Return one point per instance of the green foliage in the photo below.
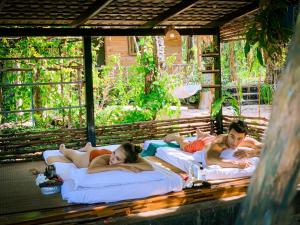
(121, 115)
(248, 69)
(227, 97)
(40, 71)
(266, 93)
(120, 92)
(269, 33)
(193, 100)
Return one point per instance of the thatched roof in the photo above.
(123, 14)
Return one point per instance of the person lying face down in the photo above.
(125, 157)
(211, 147)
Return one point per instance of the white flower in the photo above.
(41, 178)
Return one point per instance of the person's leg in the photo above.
(201, 134)
(80, 160)
(87, 147)
(177, 138)
(57, 158)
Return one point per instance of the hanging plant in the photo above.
(271, 30)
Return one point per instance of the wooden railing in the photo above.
(139, 132)
(26, 146)
(256, 125)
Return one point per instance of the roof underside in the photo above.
(123, 14)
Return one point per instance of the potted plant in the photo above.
(49, 183)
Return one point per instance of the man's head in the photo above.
(236, 133)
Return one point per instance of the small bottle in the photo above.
(202, 175)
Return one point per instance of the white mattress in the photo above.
(170, 182)
(111, 186)
(185, 160)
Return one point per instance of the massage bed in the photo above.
(189, 162)
(112, 186)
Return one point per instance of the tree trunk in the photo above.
(150, 77)
(189, 49)
(273, 186)
(1, 93)
(231, 62)
(269, 71)
(160, 43)
(37, 93)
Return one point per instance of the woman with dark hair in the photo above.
(125, 157)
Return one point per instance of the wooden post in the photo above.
(89, 97)
(218, 90)
(233, 76)
(79, 86)
(1, 91)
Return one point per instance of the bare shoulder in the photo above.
(251, 140)
(100, 161)
(219, 144)
(221, 140)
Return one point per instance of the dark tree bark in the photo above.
(273, 185)
(1, 93)
(233, 76)
(189, 49)
(150, 77)
(37, 93)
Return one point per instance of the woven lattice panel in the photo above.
(237, 28)
(22, 146)
(132, 12)
(205, 12)
(118, 13)
(43, 11)
(139, 132)
(257, 126)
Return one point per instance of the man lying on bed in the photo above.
(211, 147)
(124, 157)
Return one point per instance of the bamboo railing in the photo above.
(257, 125)
(27, 146)
(139, 132)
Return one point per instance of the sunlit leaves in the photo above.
(269, 33)
(40, 71)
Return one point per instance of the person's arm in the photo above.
(214, 152)
(249, 142)
(112, 168)
(99, 166)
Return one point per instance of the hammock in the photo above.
(191, 85)
(187, 90)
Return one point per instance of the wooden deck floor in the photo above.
(19, 192)
(22, 202)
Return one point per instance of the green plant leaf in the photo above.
(259, 56)
(216, 107)
(247, 48)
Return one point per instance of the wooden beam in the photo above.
(2, 3)
(90, 12)
(89, 95)
(240, 12)
(61, 32)
(174, 10)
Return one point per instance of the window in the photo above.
(132, 45)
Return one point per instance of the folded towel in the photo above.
(151, 150)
